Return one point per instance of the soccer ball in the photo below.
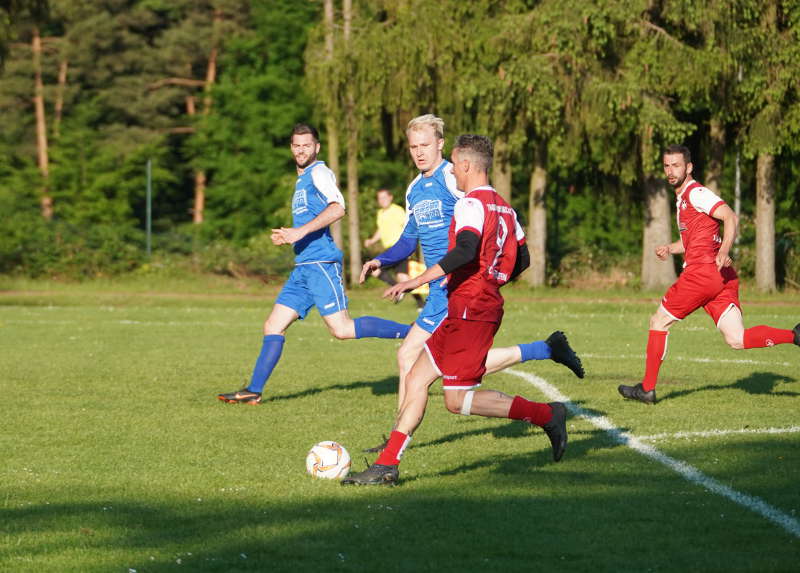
(328, 460)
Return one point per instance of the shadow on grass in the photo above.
(540, 456)
(379, 388)
(566, 517)
(589, 440)
(757, 383)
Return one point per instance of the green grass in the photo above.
(116, 455)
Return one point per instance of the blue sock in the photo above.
(538, 350)
(271, 350)
(374, 327)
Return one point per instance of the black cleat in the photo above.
(556, 429)
(638, 393)
(796, 331)
(380, 448)
(561, 352)
(376, 474)
(243, 396)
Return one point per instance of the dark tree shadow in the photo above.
(580, 441)
(757, 383)
(540, 455)
(379, 388)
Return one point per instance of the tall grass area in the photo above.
(118, 457)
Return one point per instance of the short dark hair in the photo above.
(302, 129)
(675, 149)
(478, 147)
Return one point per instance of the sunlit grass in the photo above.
(117, 456)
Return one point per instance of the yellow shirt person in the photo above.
(391, 219)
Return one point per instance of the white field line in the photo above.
(685, 470)
(689, 359)
(715, 433)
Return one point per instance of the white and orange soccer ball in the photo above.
(328, 460)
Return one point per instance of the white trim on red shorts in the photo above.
(441, 375)
(435, 366)
(724, 312)
(668, 313)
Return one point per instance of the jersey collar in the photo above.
(481, 188)
(435, 171)
(686, 185)
(310, 167)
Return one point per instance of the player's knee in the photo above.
(655, 321)
(341, 332)
(734, 342)
(453, 402)
(271, 329)
(406, 358)
(452, 408)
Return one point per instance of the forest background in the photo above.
(579, 98)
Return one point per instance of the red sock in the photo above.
(763, 336)
(656, 352)
(531, 412)
(391, 454)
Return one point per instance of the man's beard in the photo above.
(307, 162)
(679, 184)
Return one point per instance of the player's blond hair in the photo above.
(430, 120)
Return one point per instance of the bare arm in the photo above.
(290, 235)
(676, 248)
(465, 249)
(373, 239)
(430, 274)
(730, 224)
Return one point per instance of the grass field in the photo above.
(118, 457)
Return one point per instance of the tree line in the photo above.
(578, 96)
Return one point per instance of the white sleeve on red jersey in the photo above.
(468, 214)
(325, 181)
(704, 200)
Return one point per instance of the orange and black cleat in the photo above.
(243, 396)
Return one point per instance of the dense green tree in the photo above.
(579, 97)
(244, 143)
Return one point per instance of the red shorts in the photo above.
(702, 285)
(458, 350)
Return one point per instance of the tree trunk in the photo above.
(352, 164)
(657, 231)
(501, 172)
(59, 105)
(537, 225)
(333, 163)
(657, 219)
(41, 125)
(331, 127)
(353, 226)
(211, 69)
(199, 175)
(198, 212)
(765, 222)
(713, 175)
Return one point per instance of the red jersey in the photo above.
(474, 288)
(699, 230)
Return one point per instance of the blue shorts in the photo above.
(313, 284)
(435, 309)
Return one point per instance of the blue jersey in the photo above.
(314, 190)
(430, 202)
